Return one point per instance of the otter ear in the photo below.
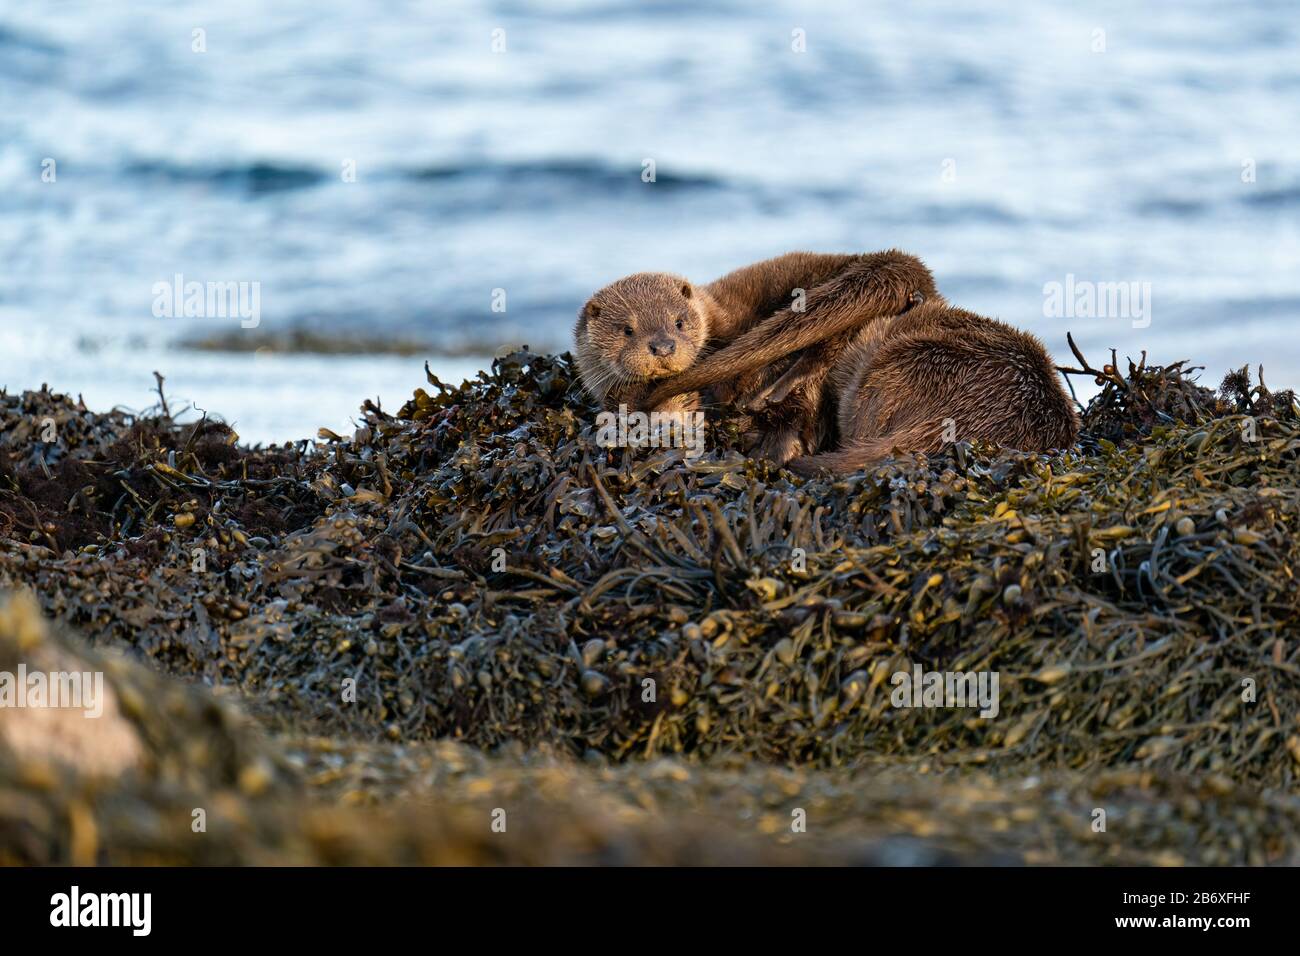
(687, 291)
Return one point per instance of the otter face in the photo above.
(644, 327)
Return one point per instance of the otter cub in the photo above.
(655, 341)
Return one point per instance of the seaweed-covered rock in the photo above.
(477, 568)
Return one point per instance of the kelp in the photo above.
(476, 571)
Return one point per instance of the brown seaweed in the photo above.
(476, 568)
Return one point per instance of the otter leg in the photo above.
(808, 370)
(679, 416)
(789, 429)
(780, 446)
(804, 399)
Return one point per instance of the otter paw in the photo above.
(805, 466)
(774, 395)
(678, 429)
(779, 447)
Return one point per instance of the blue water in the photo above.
(991, 139)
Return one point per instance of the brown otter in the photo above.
(938, 374)
(655, 341)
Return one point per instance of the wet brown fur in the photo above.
(653, 341)
(903, 378)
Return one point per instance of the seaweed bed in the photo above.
(384, 647)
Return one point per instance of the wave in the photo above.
(966, 212)
(586, 173)
(11, 39)
(1271, 198)
(27, 59)
(1187, 207)
(1175, 207)
(563, 175)
(257, 177)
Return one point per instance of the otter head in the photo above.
(645, 327)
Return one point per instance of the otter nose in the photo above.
(662, 345)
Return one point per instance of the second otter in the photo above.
(939, 374)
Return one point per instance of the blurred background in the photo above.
(499, 145)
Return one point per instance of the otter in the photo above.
(656, 341)
(935, 374)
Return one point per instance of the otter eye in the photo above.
(627, 330)
(680, 324)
